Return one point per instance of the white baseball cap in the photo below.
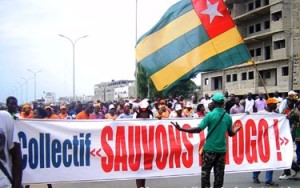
(178, 107)
(111, 106)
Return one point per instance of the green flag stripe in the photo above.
(174, 50)
(231, 57)
(172, 13)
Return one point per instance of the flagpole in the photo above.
(136, 66)
(260, 77)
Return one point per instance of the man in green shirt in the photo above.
(218, 122)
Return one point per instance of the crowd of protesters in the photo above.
(161, 108)
(177, 107)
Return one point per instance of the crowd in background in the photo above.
(177, 107)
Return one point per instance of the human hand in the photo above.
(176, 125)
(237, 127)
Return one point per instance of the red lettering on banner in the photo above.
(134, 147)
(276, 133)
(175, 141)
(187, 157)
(250, 143)
(238, 144)
(148, 146)
(106, 162)
(263, 140)
(121, 153)
(161, 147)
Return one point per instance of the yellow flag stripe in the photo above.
(167, 34)
(187, 62)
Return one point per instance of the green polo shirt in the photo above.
(216, 142)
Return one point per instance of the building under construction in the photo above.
(270, 29)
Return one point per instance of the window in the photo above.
(267, 24)
(269, 77)
(216, 83)
(257, 4)
(244, 76)
(257, 27)
(267, 2)
(234, 77)
(228, 78)
(267, 52)
(251, 29)
(285, 71)
(279, 44)
(276, 16)
(258, 52)
(252, 53)
(250, 6)
(206, 81)
(265, 74)
(251, 75)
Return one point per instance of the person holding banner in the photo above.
(143, 112)
(271, 108)
(10, 153)
(12, 106)
(218, 123)
(289, 111)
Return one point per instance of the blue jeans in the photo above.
(268, 177)
(298, 151)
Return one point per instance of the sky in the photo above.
(29, 39)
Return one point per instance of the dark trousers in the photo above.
(140, 183)
(217, 162)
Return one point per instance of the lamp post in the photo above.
(21, 85)
(26, 82)
(73, 48)
(34, 76)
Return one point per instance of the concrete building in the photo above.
(114, 90)
(270, 29)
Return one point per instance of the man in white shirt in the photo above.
(10, 153)
(205, 101)
(260, 103)
(249, 103)
(278, 98)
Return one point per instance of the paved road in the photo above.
(241, 180)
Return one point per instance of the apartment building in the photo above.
(114, 90)
(270, 29)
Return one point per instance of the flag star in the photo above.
(212, 11)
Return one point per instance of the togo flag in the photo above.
(193, 36)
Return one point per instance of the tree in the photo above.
(146, 88)
(142, 82)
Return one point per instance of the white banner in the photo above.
(88, 150)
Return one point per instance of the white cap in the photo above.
(188, 105)
(143, 104)
(111, 106)
(135, 105)
(178, 107)
(292, 92)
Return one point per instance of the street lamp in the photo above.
(21, 85)
(34, 76)
(73, 46)
(26, 82)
